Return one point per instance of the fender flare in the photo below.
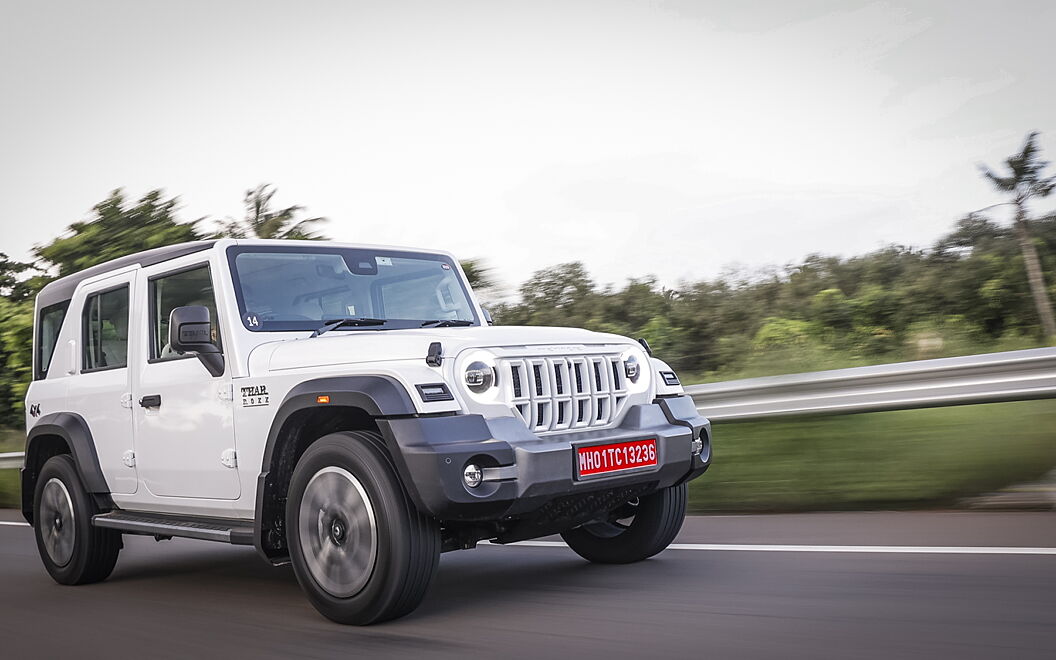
(378, 396)
(72, 428)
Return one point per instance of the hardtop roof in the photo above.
(62, 289)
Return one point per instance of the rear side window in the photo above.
(105, 324)
(167, 292)
(48, 325)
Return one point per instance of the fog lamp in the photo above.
(472, 475)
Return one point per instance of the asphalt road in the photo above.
(193, 599)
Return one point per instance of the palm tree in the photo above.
(262, 221)
(1024, 183)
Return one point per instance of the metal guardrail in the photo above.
(11, 460)
(987, 378)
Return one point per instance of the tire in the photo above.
(656, 521)
(361, 550)
(73, 551)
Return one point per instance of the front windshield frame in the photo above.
(310, 325)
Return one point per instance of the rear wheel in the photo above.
(361, 550)
(638, 530)
(73, 551)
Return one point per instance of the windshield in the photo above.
(301, 288)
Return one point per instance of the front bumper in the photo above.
(524, 472)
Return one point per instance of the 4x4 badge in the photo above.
(34, 410)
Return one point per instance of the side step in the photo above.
(237, 532)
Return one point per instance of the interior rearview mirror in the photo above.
(190, 331)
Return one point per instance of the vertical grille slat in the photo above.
(515, 371)
(565, 393)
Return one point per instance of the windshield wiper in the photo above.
(447, 323)
(332, 324)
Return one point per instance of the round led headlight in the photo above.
(631, 368)
(479, 377)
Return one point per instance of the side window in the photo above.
(182, 289)
(48, 325)
(105, 324)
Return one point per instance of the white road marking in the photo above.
(872, 549)
(13, 523)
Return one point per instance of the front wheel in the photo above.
(360, 549)
(640, 529)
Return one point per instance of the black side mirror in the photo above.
(487, 316)
(191, 332)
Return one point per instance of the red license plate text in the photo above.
(602, 459)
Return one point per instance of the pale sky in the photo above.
(668, 138)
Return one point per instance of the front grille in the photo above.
(564, 393)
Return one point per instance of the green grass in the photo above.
(10, 440)
(9, 490)
(904, 459)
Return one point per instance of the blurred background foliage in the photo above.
(966, 294)
(983, 287)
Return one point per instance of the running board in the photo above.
(237, 532)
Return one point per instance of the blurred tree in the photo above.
(13, 284)
(115, 230)
(778, 332)
(831, 309)
(478, 273)
(1024, 182)
(262, 221)
(16, 340)
(875, 305)
(562, 295)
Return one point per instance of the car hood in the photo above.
(349, 347)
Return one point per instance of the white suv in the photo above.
(346, 408)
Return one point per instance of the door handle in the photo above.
(151, 401)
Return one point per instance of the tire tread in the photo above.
(653, 529)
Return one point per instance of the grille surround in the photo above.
(552, 394)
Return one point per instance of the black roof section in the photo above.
(62, 289)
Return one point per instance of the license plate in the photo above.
(617, 457)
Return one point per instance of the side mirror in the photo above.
(191, 332)
(487, 316)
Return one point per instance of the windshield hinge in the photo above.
(434, 357)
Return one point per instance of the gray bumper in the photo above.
(523, 471)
